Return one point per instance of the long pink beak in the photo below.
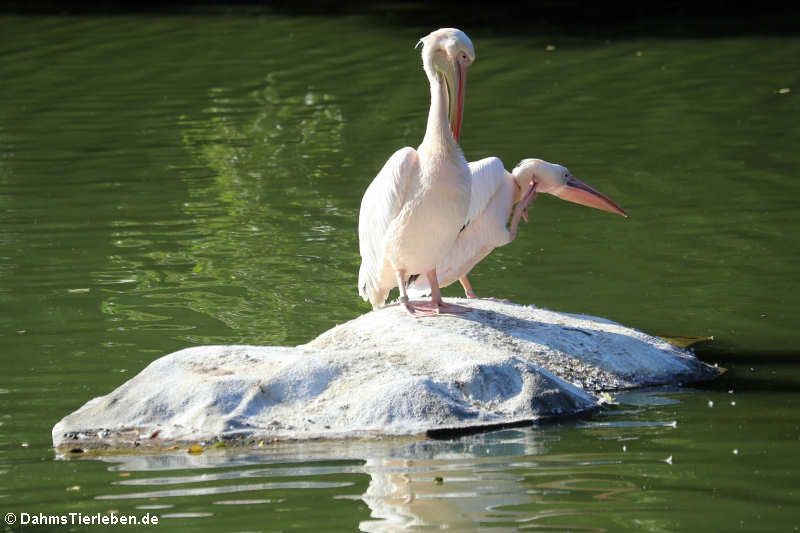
(578, 192)
(457, 106)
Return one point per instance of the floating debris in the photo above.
(195, 449)
(438, 480)
(550, 48)
(784, 90)
(685, 341)
(606, 398)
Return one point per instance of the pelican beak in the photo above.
(578, 192)
(455, 88)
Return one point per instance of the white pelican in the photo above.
(494, 193)
(415, 207)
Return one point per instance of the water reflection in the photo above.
(506, 480)
(262, 144)
(270, 139)
(200, 491)
(257, 229)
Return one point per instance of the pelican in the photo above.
(493, 195)
(413, 210)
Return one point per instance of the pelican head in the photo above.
(558, 180)
(448, 52)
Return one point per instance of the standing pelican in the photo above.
(494, 193)
(415, 207)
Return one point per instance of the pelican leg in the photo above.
(415, 310)
(522, 210)
(467, 287)
(471, 293)
(436, 297)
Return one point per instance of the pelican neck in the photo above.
(438, 128)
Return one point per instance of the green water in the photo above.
(171, 181)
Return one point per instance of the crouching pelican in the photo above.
(413, 210)
(493, 195)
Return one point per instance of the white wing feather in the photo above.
(491, 199)
(382, 201)
(487, 176)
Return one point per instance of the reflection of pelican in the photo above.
(414, 208)
(494, 192)
(479, 484)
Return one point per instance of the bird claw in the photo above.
(423, 309)
(529, 197)
(453, 309)
(419, 311)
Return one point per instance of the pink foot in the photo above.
(419, 310)
(443, 307)
(422, 309)
(453, 309)
(492, 298)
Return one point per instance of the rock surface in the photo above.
(384, 373)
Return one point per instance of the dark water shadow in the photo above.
(726, 353)
(571, 18)
(762, 372)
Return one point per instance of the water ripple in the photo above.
(226, 490)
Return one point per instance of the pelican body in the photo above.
(413, 210)
(494, 191)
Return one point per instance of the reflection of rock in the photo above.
(500, 479)
(477, 479)
(385, 373)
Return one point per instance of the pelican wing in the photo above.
(381, 203)
(484, 228)
(488, 175)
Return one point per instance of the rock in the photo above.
(384, 373)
